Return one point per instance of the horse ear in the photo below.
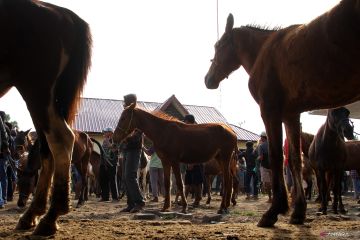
(229, 23)
(27, 131)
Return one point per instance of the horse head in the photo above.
(339, 121)
(21, 143)
(28, 173)
(225, 60)
(125, 125)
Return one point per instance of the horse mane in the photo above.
(263, 28)
(165, 116)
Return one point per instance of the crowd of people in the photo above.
(8, 164)
(254, 172)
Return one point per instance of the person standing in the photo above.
(156, 174)
(194, 175)
(4, 153)
(265, 171)
(108, 168)
(250, 156)
(132, 147)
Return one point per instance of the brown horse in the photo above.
(297, 69)
(212, 168)
(329, 154)
(45, 54)
(177, 142)
(82, 152)
(307, 170)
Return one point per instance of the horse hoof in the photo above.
(297, 220)
(25, 224)
(343, 211)
(45, 228)
(267, 221)
(223, 211)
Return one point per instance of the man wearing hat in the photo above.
(108, 168)
(132, 148)
(252, 167)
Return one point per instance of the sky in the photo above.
(159, 48)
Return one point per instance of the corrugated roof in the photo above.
(95, 114)
(244, 134)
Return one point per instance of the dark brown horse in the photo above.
(177, 142)
(45, 54)
(297, 69)
(212, 168)
(82, 152)
(328, 153)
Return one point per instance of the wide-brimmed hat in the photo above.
(263, 134)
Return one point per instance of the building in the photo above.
(96, 114)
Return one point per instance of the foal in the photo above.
(176, 142)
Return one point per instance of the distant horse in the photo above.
(296, 69)
(307, 170)
(212, 168)
(328, 153)
(45, 54)
(80, 158)
(177, 142)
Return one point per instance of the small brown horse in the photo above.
(296, 69)
(177, 142)
(212, 168)
(329, 154)
(45, 53)
(82, 152)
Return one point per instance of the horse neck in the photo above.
(151, 125)
(248, 41)
(330, 134)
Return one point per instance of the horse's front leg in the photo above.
(167, 172)
(61, 142)
(323, 191)
(38, 204)
(84, 183)
(279, 203)
(180, 186)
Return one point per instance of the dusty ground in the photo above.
(99, 220)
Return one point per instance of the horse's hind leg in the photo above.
(38, 204)
(61, 141)
(180, 186)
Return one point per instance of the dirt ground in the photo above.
(102, 220)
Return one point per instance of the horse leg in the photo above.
(209, 179)
(167, 172)
(225, 201)
(293, 133)
(279, 203)
(61, 141)
(341, 205)
(323, 192)
(38, 204)
(235, 190)
(180, 186)
(83, 170)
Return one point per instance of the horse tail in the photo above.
(102, 153)
(70, 84)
